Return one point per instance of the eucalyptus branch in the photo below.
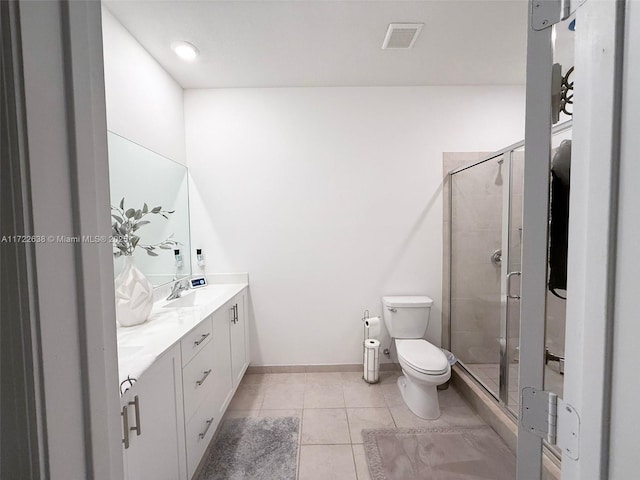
(125, 222)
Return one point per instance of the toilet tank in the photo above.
(407, 316)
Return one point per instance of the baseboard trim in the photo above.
(344, 367)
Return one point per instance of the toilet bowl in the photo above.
(425, 367)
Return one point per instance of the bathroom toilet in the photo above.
(424, 365)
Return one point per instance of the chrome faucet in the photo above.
(177, 290)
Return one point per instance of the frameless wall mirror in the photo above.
(141, 177)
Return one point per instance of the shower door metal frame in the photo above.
(504, 280)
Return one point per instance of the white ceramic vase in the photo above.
(134, 295)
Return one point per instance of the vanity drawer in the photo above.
(199, 432)
(196, 340)
(198, 379)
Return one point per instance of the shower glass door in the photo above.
(485, 265)
(476, 222)
(485, 269)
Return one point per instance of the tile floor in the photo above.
(334, 408)
(489, 374)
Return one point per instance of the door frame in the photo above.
(592, 237)
(535, 221)
(593, 230)
(72, 292)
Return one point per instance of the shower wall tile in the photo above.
(472, 347)
(475, 280)
(475, 247)
(479, 315)
(476, 212)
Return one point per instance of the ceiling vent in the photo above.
(401, 35)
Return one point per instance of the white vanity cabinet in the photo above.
(182, 397)
(228, 356)
(206, 384)
(239, 338)
(152, 422)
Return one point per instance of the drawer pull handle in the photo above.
(234, 314)
(201, 381)
(203, 434)
(136, 404)
(125, 426)
(202, 339)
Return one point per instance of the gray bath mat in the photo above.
(438, 453)
(254, 449)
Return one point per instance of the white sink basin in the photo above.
(194, 298)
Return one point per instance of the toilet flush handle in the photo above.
(391, 309)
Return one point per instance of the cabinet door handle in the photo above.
(201, 381)
(233, 314)
(136, 404)
(203, 434)
(125, 426)
(202, 339)
(235, 309)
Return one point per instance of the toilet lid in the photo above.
(422, 356)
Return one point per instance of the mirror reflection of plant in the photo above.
(127, 221)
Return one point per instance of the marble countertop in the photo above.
(139, 346)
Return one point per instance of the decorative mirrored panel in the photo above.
(150, 211)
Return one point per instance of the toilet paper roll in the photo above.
(372, 326)
(371, 365)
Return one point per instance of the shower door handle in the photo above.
(509, 275)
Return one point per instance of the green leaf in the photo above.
(145, 208)
(140, 224)
(134, 241)
(153, 254)
(122, 203)
(130, 213)
(117, 218)
(156, 209)
(165, 247)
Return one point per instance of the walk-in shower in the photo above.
(484, 226)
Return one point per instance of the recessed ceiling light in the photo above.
(186, 51)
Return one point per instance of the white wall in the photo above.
(331, 198)
(144, 103)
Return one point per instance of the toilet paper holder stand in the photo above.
(376, 358)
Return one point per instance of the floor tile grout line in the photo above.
(300, 444)
(353, 458)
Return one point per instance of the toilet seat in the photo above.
(422, 356)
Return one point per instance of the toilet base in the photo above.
(421, 398)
